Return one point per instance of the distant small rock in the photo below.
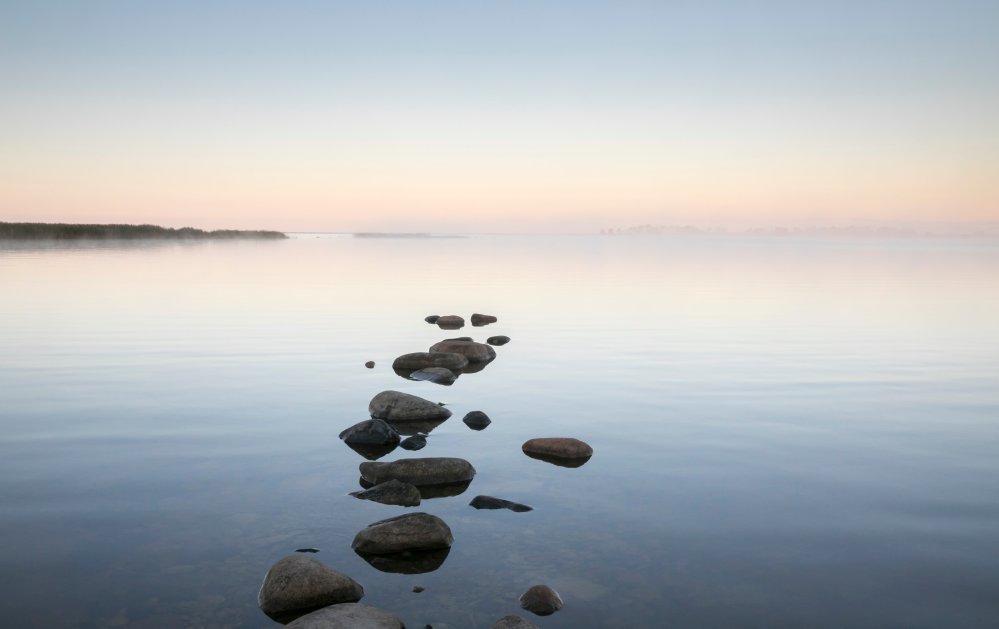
(450, 322)
(479, 320)
(306, 550)
(432, 318)
(477, 420)
(498, 340)
(489, 502)
(370, 364)
(392, 492)
(298, 583)
(413, 531)
(437, 375)
(348, 616)
(541, 600)
(370, 432)
(564, 451)
(513, 622)
(416, 442)
(418, 589)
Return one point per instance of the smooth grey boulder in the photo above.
(371, 432)
(474, 352)
(416, 442)
(498, 340)
(413, 531)
(564, 451)
(541, 600)
(348, 616)
(391, 492)
(476, 420)
(479, 320)
(431, 318)
(299, 583)
(424, 471)
(450, 322)
(437, 375)
(396, 407)
(422, 360)
(513, 622)
(489, 502)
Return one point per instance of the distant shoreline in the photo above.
(73, 231)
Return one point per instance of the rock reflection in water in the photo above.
(554, 460)
(411, 427)
(371, 452)
(408, 562)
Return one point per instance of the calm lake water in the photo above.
(787, 432)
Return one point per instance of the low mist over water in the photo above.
(785, 432)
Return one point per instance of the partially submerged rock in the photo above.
(437, 375)
(513, 622)
(298, 584)
(474, 352)
(564, 451)
(413, 531)
(541, 599)
(477, 420)
(370, 364)
(489, 502)
(431, 318)
(423, 360)
(371, 432)
(450, 322)
(348, 616)
(498, 340)
(395, 406)
(479, 320)
(416, 442)
(424, 471)
(392, 492)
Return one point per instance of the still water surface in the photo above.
(787, 433)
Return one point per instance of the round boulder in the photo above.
(482, 319)
(413, 531)
(395, 407)
(541, 600)
(498, 340)
(450, 322)
(559, 450)
(298, 583)
(348, 616)
(477, 420)
(370, 364)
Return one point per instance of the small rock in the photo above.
(450, 322)
(431, 318)
(437, 375)
(370, 364)
(513, 622)
(395, 406)
(348, 616)
(370, 432)
(417, 589)
(425, 471)
(416, 442)
(306, 550)
(564, 451)
(498, 340)
(297, 583)
(541, 599)
(413, 531)
(488, 502)
(479, 320)
(474, 352)
(391, 492)
(477, 420)
(422, 360)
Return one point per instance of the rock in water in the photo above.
(297, 584)
(348, 616)
(413, 531)
(391, 492)
(426, 471)
(479, 320)
(477, 420)
(474, 352)
(564, 451)
(450, 322)
(437, 375)
(541, 599)
(416, 442)
(407, 562)
(371, 432)
(397, 407)
(513, 622)
(431, 318)
(370, 364)
(422, 360)
(488, 502)
(498, 340)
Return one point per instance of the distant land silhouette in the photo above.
(71, 231)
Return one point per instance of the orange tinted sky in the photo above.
(499, 116)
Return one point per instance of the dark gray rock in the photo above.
(370, 432)
(461, 338)
(477, 420)
(541, 600)
(498, 340)
(489, 502)
(431, 318)
(391, 492)
(450, 322)
(370, 364)
(564, 451)
(423, 360)
(474, 352)
(348, 616)
(479, 320)
(437, 375)
(399, 407)
(513, 622)
(425, 471)
(413, 531)
(416, 442)
(299, 583)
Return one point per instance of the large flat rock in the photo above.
(413, 531)
(395, 406)
(421, 471)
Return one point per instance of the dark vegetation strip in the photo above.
(70, 231)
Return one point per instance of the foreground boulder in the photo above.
(474, 352)
(479, 320)
(564, 451)
(437, 375)
(498, 340)
(513, 622)
(297, 584)
(425, 471)
(413, 531)
(371, 432)
(541, 599)
(450, 322)
(477, 420)
(348, 616)
(489, 502)
(423, 360)
(391, 492)
(396, 407)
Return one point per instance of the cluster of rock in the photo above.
(305, 592)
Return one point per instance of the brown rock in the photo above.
(413, 531)
(348, 616)
(370, 364)
(557, 448)
(396, 407)
(450, 322)
(298, 583)
(482, 319)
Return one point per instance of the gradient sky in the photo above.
(498, 116)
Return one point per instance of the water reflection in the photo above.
(371, 451)
(408, 562)
(442, 490)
